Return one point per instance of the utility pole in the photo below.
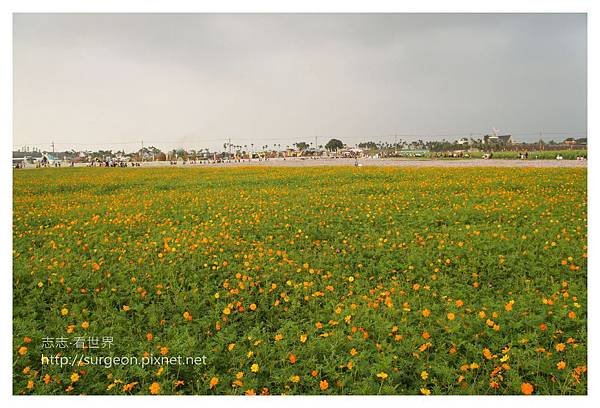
(142, 151)
(52, 146)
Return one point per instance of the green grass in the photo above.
(539, 155)
(449, 281)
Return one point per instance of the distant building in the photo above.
(498, 139)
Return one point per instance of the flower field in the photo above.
(332, 280)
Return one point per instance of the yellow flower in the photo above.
(154, 388)
(295, 378)
(382, 375)
(226, 311)
(278, 337)
(425, 391)
(450, 316)
(74, 377)
(254, 368)
(253, 306)
(85, 325)
(303, 338)
(424, 375)
(64, 311)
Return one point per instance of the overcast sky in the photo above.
(194, 80)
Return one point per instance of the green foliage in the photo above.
(411, 274)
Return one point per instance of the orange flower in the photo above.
(560, 347)
(85, 325)
(22, 350)
(292, 359)
(187, 316)
(527, 389)
(253, 306)
(129, 387)
(323, 384)
(450, 316)
(149, 336)
(561, 365)
(154, 388)
(164, 350)
(213, 382)
(426, 313)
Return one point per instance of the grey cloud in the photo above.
(197, 79)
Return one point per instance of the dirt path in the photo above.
(392, 163)
(296, 162)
